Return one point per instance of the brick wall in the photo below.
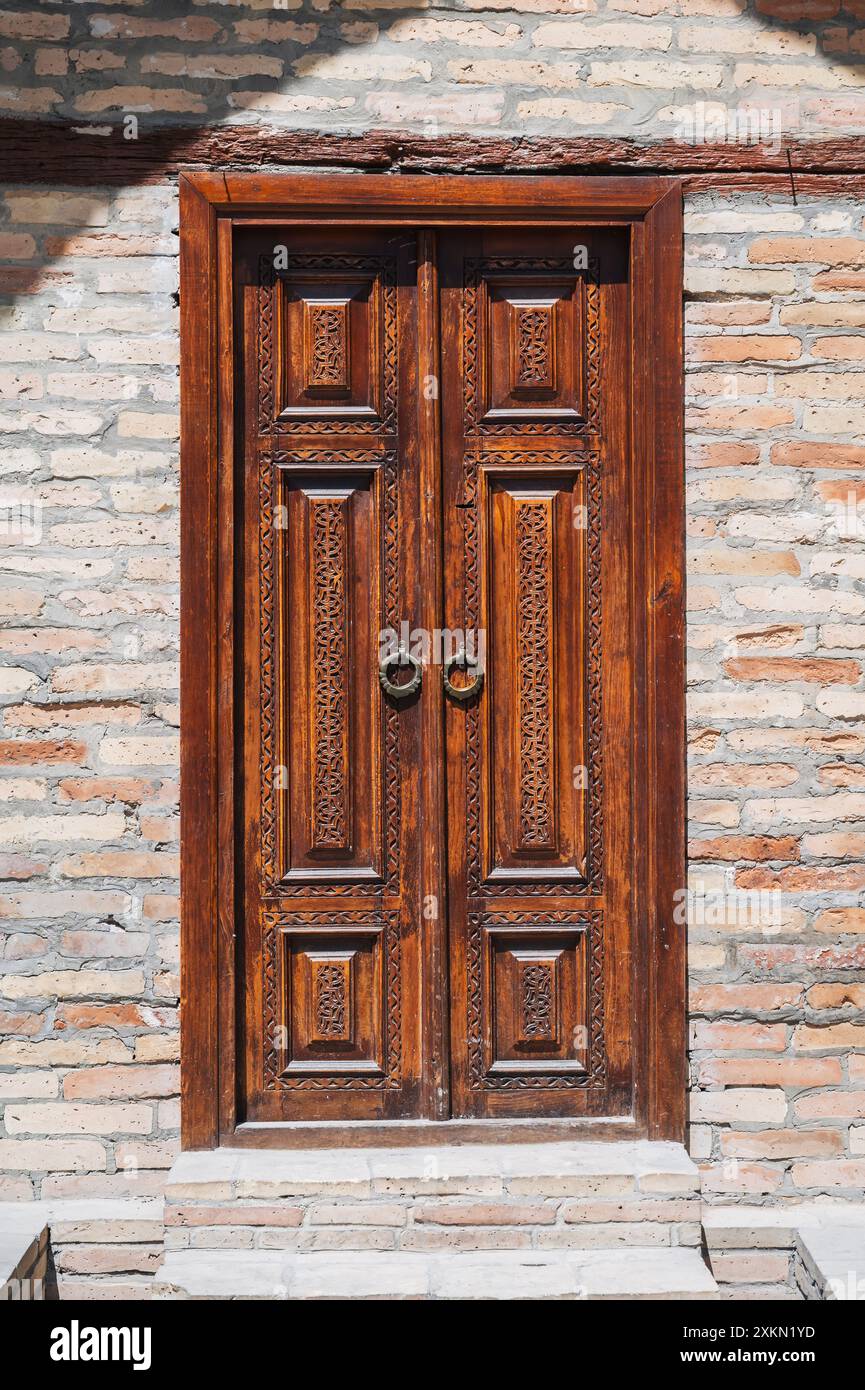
(532, 66)
(776, 380)
(88, 553)
(88, 685)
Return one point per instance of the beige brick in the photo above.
(195, 29)
(454, 1213)
(824, 315)
(53, 904)
(453, 109)
(847, 1173)
(732, 1106)
(62, 1118)
(521, 71)
(737, 704)
(791, 76)
(746, 38)
(665, 77)
(705, 281)
(212, 65)
(736, 1037)
(463, 33)
(60, 209)
(583, 34)
(34, 1085)
(724, 813)
(83, 679)
(843, 845)
(52, 1155)
(833, 1038)
(73, 984)
(139, 752)
(56, 829)
(350, 67)
(763, 1267)
(139, 99)
(792, 1072)
(123, 1082)
(796, 598)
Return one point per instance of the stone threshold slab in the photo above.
(224, 1172)
(512, 1275)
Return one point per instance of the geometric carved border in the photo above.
(595, 1075)
(272, 926)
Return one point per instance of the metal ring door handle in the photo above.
(400, 660)
(460, 662)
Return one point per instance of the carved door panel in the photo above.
(331, 764)
(537, 546)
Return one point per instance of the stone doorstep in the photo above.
(823, 1244)
(91, 1221)
(99, 1240)
(512, 1275)
(747, 1227)
(23, 1248)
(550, 1220)
(832, 1258)
(525, 1170)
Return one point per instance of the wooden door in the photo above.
(537, 561)
(331, 765)
(440, 865)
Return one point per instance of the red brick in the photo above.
(32, 752)
(755, 847)
(783, 1143)
(790, 1072)
(812, 669)
(847, 878)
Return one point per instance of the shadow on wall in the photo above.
(136, 78)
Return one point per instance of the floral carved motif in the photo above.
(330, 812)
(534, 659)
(329, 348)
(331, 1000)
(537, 1001)
(534, 346)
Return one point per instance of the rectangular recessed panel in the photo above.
(328, 344)
(537, 776)
(531, 338)
(332, 710)
(539, 1001)
(332, 1004)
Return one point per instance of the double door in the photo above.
(436, 677)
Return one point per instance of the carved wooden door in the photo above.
(534, 393)
(331, 765)
(370, 991)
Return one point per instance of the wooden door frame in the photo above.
(211, 204)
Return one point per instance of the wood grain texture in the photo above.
(50, 151)
(198, 674)
(506, 498)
